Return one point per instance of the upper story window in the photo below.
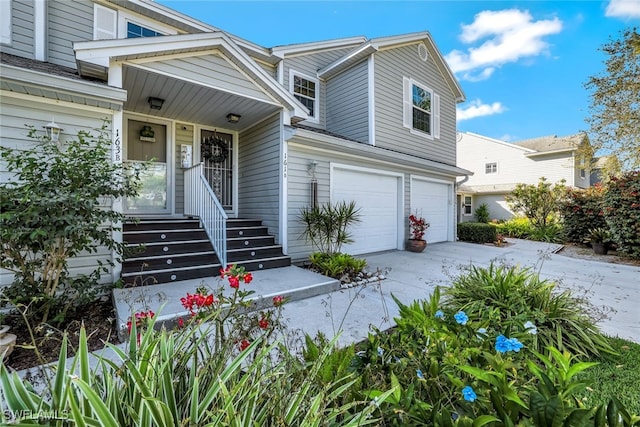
(583, 168)
(135, 30)
(306, 90)
(491, 167)
(5, 22)
(421, 111)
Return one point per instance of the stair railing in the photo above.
(200, 201)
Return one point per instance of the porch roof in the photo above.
(95, 57)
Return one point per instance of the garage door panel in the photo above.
(431, 200)
(377, 198)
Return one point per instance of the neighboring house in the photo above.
(498, 166)
(370, 120)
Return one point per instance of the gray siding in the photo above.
(390, 66)
(22, 27)
(199, 68)
(299, 189)
(14, 113)
(310, 64)
(69, 21)
(348, 103)
(184, 135)
(259, 173)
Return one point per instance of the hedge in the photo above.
(582, 211)
(622, 212)
(476, 232)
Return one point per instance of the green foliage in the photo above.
(326, 225)
(481, 213)
(52, 209)
(508, 297)
(174, 378)
(519, 228)
(582, 210)
(614, 107)
(622, 213)
(617, 374)
(337, 265)
(552, 233)
(539, 203)
(600, 235)
(476, 232)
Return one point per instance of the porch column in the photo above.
(115, 80)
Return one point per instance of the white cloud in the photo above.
(623, 9)
(477, 109)
(510, 35)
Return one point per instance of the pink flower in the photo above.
(248, 278)
(263, 323)
(234, 282)
(278, 301)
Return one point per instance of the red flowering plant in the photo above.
(143, 319)
(417, 225)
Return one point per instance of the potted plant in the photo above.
(600, 239)
(417, 226)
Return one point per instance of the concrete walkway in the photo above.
(317, 304)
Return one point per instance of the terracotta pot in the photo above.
(416, 245)
(600, 248)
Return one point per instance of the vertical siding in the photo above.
(22, 28)
(390, 66)
(184, 135)
(347, 103)
(310, 64)
(259, 173)
(14, 113)
(69, 21)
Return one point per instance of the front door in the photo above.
(147, 142)
(216, 152)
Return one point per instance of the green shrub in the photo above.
(539, 203)
(509, 297)
(337, 265)
(481, 214)
(581, 211)
(476, 232)
(552, 233)
(326, 226)
(519, 228)
(53, 210)
(622, 212)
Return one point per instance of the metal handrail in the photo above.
(200, 201)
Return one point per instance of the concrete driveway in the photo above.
(613, 288)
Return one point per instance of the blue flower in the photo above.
(380, 351)
(419, 374)
(468, 394)
(439, 314)
(504, 344)
(461, 317)
(531, 327)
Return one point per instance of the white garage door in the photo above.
(431, 199)
(377, 197)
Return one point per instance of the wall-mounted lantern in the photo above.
(53, 131)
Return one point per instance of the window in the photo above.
(5, 22)
(583, 168)
(421, 109)
(467, 205)
(135, 30)
(305, 89)
(491, 167)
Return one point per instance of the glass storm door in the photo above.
(217, 156)
(148, 142)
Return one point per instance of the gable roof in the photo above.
(371, 46)
(553, 143)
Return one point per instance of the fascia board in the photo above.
(282, 51)
(346, 61)
(312, 139)
(546, 153)
(62, 84)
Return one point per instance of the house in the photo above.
(498, 166)
(238, 130)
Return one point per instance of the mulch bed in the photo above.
(98, 319)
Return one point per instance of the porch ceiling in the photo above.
(190, 102)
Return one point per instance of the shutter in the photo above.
(436, 115)
(407, 102)
(104, 23)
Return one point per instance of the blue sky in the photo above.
(522, 65)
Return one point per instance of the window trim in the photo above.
(124, 18)
(490, 168)
(464, 205)
(316, 102)
(407, 113)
